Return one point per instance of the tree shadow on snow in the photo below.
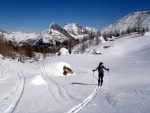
(77, 83)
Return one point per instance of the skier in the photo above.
(101, 72)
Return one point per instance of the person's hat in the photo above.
(101, 62)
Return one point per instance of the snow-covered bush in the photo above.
(67, 70)
(63, 51)
(58, 69)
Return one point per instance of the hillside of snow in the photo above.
(19, 36)
(52, 34)
(72, 31)
(49, 35)
(77, 31)
(129, 21)
(37, 88)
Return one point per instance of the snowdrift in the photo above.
(38, 80)
(63, 51)
(56, 68)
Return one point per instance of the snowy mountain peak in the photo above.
(91, 29)
(129, 21)
(53, 23)
(75, 29)
(54, 33)
(72, 26)
(4, 31)
(19, 37)
(54, 26)
(142, 12)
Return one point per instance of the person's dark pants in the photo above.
(100, 78)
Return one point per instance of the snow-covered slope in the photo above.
(61, 30)
(125, 88)
(78, 31)
(93, 30)
(68, 32)
(51, 35)
(129, 21)
(75, 29)
(19, 36)
(54, 33)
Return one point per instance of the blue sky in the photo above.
(36, 15)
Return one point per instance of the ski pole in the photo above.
(93, 77)
(109, 76)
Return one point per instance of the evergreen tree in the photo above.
(97, 40)
(139, 24)
(143, 32)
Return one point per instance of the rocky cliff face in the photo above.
(58, 28)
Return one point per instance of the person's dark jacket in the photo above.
(100, 68)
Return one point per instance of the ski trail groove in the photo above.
(61, 90)
(20, 88)
(10, 102)
(51, 81)
(80, 106)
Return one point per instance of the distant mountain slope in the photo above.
(129, 21)
(78, 31)
(58, 28)
(91, 29)
(75, 29)
(50, 36)
(53, 34)
(69, 32)
(19, 37)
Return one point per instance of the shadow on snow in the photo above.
(74, 83)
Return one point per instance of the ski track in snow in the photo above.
(39, 71)
(20, 89)
(80, 106)
(3, 70)
(61, 90)
(49, 80)
(10, 101)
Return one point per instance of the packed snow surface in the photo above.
(37, 88)
(38, 80)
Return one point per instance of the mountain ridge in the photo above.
(129, 21)
(73, 31)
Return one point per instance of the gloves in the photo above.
(108, 69)
(93, 70)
